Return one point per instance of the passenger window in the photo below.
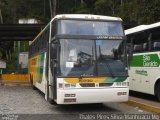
(156, 45)
(54, 30)
(138, 48)
(129, 47)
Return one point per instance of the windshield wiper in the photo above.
(88, 72)
(109, 68)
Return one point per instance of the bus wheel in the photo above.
(31, 80)
(52, 102)
(158, 91)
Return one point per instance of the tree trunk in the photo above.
(50, 5)
(53, 5)
(1, 17)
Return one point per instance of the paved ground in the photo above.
(25, 103)
(145, 98)
(144, 101)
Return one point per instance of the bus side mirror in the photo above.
(53, 51)
(129, 50)
(129, 53)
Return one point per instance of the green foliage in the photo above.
(103, 7)
(83, 9)
(12, 64)
(12, 10)
(140, 11)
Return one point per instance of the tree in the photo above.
(53, 7)
(13, 10)
(105, 7)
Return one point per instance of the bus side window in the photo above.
(38, 44)
(53, 31)
(138, 48)
(31, 50)
(41, 42)
(47, 36)
(129, 47)
(156, 45)
(145, 47)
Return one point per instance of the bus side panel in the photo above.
(144, 71)
(41, 79)
(72, 92)
(33, 68)
(37, 70)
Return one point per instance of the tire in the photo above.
(31, 80)
(52, 102)
(158, 91)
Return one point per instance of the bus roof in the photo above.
(141, 28)
(86, 16)
(79, 16)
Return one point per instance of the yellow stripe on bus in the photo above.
(85, 80)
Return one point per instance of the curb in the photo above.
(17, 83)
(144, 106)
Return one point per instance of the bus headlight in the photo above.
(122, 83)
(73, 85)
(60, 85)
(66, 85)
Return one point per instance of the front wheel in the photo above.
(52, 102)
(158, 91)
(31, 80)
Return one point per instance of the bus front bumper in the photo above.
(80, 96)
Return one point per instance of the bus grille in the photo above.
(105, 84)
(87, 84)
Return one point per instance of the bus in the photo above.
(144, 69)
(80, 58)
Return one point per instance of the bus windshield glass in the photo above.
(81, 27)
(91, 58)
(110, 58)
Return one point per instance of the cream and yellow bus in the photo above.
(144, 70)
(79, 59)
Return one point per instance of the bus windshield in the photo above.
(81, 27)
(91, 58)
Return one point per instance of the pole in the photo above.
(18, 67)
(14, 45)
(1, 17)
(81, 2)
(44, 10)
(53, 7)
(121, 3)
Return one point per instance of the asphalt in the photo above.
(136, 99)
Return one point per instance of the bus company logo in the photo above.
(85, 80)
(110, 37)
(102, 37)
(147, 62)
(141, 72)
